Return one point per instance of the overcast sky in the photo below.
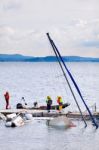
(72, 24)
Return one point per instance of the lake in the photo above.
(35, 81)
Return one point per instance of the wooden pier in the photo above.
(35, 113)
(44, 113)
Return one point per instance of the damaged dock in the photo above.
(44, 113)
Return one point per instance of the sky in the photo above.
(72, 24)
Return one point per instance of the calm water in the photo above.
(35, 81)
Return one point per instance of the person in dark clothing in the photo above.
(23, 101)
(35, 104)
(49, 103)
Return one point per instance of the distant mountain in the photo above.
(14, 57)
(21, 58)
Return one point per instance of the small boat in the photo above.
(53, 107)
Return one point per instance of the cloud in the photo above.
(78, 37)
(6, 31)
(73, 25)
(44, 13)
(11, 5)
(90, 43)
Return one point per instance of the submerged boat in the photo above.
(43, 107)
(60, 122)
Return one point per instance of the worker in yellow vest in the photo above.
(60, 102)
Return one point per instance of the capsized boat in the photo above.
(17, 121)
(14, 120)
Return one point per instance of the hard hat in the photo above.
(48, 97)
(59, 97)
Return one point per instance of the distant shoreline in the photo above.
(21, 58)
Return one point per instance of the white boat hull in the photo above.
(16, 122)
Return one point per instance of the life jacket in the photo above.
(59, 101)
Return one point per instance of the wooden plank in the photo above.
(35, 113)
(44, 113)
(9, 111)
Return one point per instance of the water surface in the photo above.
(35, 81)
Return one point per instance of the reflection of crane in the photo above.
(63, 66)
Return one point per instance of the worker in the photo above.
(7, 97)
(49, 103)
(60, 102)
(23, 101)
